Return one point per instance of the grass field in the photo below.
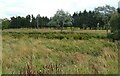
(58, 56)
(54, 30)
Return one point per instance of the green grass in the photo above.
(71, 55)
(58, 35)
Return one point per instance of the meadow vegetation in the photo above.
(82, 43)
(48, 53)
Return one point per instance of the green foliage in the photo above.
(58, 35)
(61, 19)
(118, 10)
(104, 14)
(115, 23)
(5, 23)
(85, 19)
(115, 26)
(28, 22)
(106, 10)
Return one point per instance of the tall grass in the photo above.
(69, 55)
(57, 35)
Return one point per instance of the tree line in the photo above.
(96, 19)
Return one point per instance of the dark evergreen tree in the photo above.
(28, 21)
(33, 22)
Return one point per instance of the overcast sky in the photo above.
(48, 8)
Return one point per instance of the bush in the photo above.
(114, 36)
(115, 27)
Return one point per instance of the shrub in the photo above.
(115, 27)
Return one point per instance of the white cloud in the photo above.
(48, 7)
